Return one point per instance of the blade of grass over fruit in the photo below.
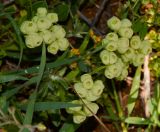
(70, 127)
(42, 65)
(18, 34)
(84, 44)
(11, 77)
(137, 121)
(96, 70)
(134, 90)
(12, 92)
(32, 99)
(43, 106)
(72, 75)
(51, 65)
(30, 110)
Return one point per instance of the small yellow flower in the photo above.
(75, 51)
(73, 65)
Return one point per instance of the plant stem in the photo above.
(119, 109)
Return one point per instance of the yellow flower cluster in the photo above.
(43, 28)
(89, 91)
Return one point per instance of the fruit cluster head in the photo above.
(121, 48)
(43, 28)
(89, 91)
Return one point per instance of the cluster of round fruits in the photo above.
(42, 28)
(122, 48)
(89, 91)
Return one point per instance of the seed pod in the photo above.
(63, 44)
(108, 57)
(85, 76)
(93, 107)
(135, 42)
(129, 54)
(123, 45)
(111, 36)
(125, 32)
(112, 46)
(79, 117)
(91, 97)
(58, 31)
(41, 12)
(29, 27)
(114, 23)
(126, 23)
(97, 88)
(33, 40)
(53, 17)
(43, 23)
(72, 110)
(79, 88)
(53, 48)
(145, 47)
(138, 59)
(47, 36)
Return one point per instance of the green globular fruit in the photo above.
(47, 36)
(114, 23)
(125, 32)
(123, 74)
(53, 48)
(41, 12)
(91, 97)
(138, 60)
(111, 36)
(108, 57)
(145, 47)
(114, 70)
(97, 88)
(63, 44)
(125, 23)
(29, 27)
(90, 106)
(79, 117)
(72, 110)
(33, 40)
(112, 46)
(79, 88)
(105, 42)
(129, 54)
(85, 76)
(135, 42)
(58, 31)
(88, 83)
(123, 45)
(43, 23)
(53, 17)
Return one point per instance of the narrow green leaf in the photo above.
(137, 121)
(32, 99)
(11, 77)
(134, 90)
(42, 65)
(51, 65)
(63, 11)
(43, 106)
(18, 34)
(72, 75)
(12, 92)
(84, 44)
(30, 109)
(69, 127)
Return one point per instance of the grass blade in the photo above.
(134, 90)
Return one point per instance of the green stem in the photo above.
(119, 109)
